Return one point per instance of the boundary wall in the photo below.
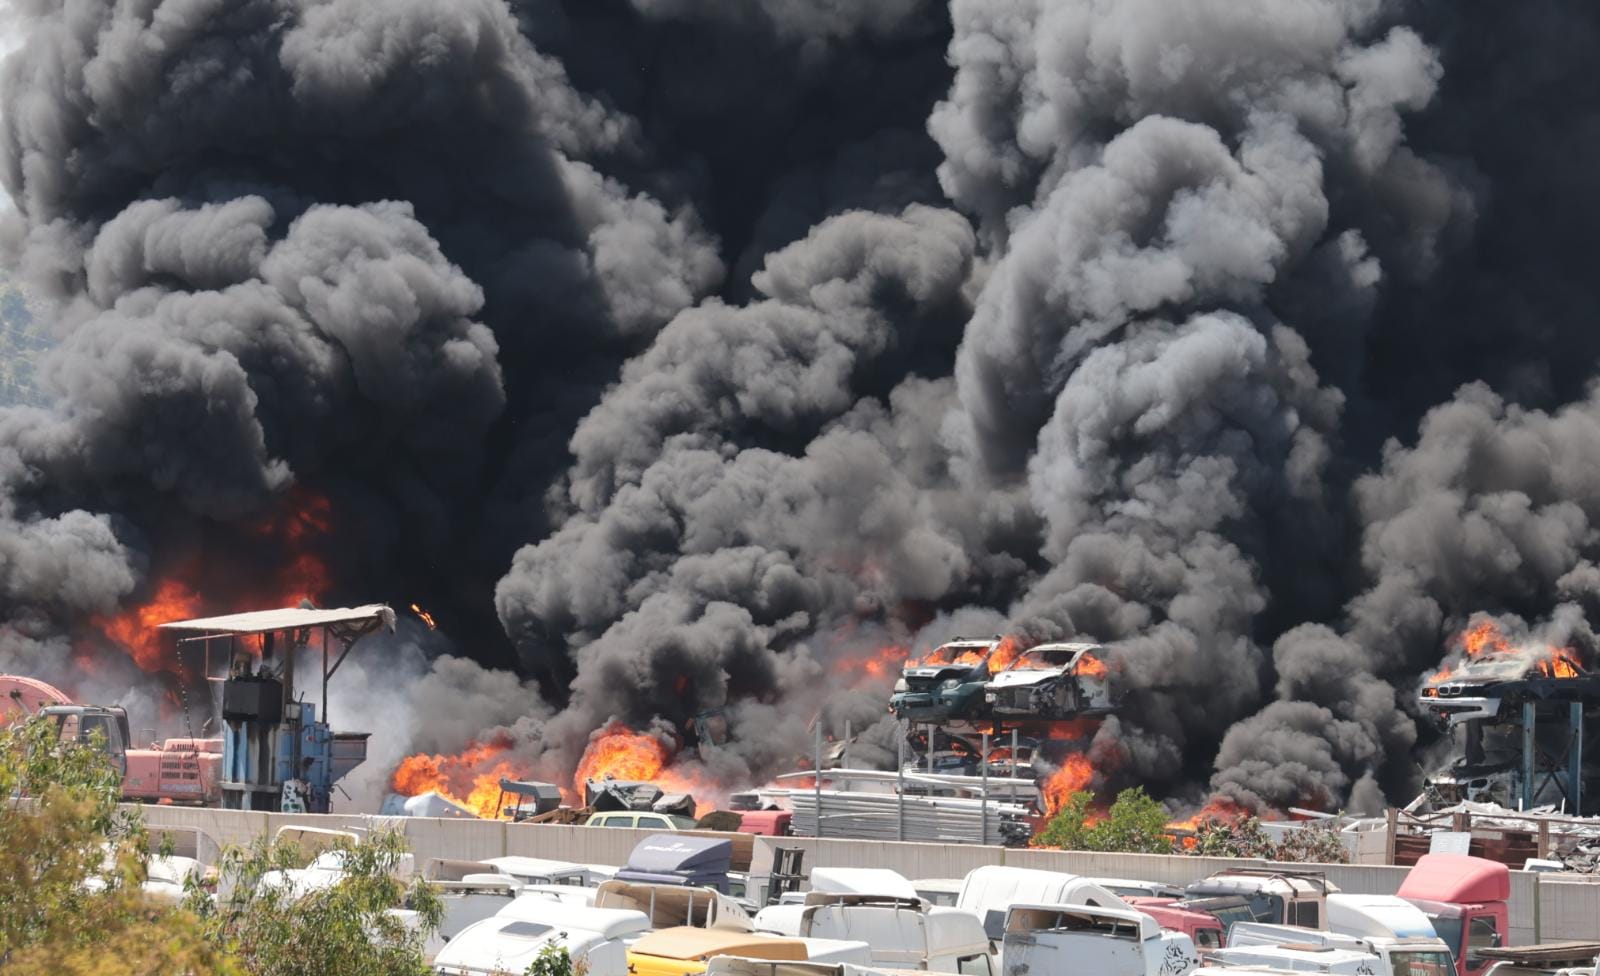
(1543, 907)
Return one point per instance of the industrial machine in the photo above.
(276, 753)
(175, 771)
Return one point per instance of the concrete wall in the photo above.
(1542, 907)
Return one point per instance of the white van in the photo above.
(1058, 940)
(510, 941)
(990, 891)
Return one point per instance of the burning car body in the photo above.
(947, 684)
(1052, 681)
(1523, 718)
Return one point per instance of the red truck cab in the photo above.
(1467, 900)
(1202, 928)
(766, 823)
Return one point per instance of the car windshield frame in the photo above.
(1032, 660)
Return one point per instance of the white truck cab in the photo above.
(1403, 955)
(1298, 959)
(1053, 940)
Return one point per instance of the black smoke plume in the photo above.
(682, 357)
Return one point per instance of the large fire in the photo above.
(470, 778)
(1485, 640)
(135, 629)
(1074, 775)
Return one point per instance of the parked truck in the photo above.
(1466, 900)
(1262, 895)
(1069, 940)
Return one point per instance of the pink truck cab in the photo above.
(1202, 928)
(1467, 900)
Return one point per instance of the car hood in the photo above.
(1023, 679)
(937, 673)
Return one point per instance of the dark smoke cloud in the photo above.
(729, 344)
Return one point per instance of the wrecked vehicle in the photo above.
(1515, 719)
(1056, 681)
(947, 684)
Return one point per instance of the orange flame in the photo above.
(1004, 654)
(1089, 666)
(470, 778)
(1073, 776)
(1218, 809)
(1485, 639)
(619, 753)
(424, 616)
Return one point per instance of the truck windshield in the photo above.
(1449, 930)
(1421, 964)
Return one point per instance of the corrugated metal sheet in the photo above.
(286, 618)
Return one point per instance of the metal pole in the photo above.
(1014, 762)
(931, 733)
(847, 745)
(325, 677)
(817, 782)
(1575, 759)
(900, 787)
(984, 830)
(1528, 719)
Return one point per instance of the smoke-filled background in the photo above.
(681, 356)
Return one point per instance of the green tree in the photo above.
(72, 863)
(346, 928)
(1135, 824)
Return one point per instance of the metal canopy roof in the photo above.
(287, 618)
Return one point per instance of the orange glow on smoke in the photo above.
(878, 666)
(1485, 639)
(177, 595)
(1004, 654)
(470, 778)
(135, 629)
